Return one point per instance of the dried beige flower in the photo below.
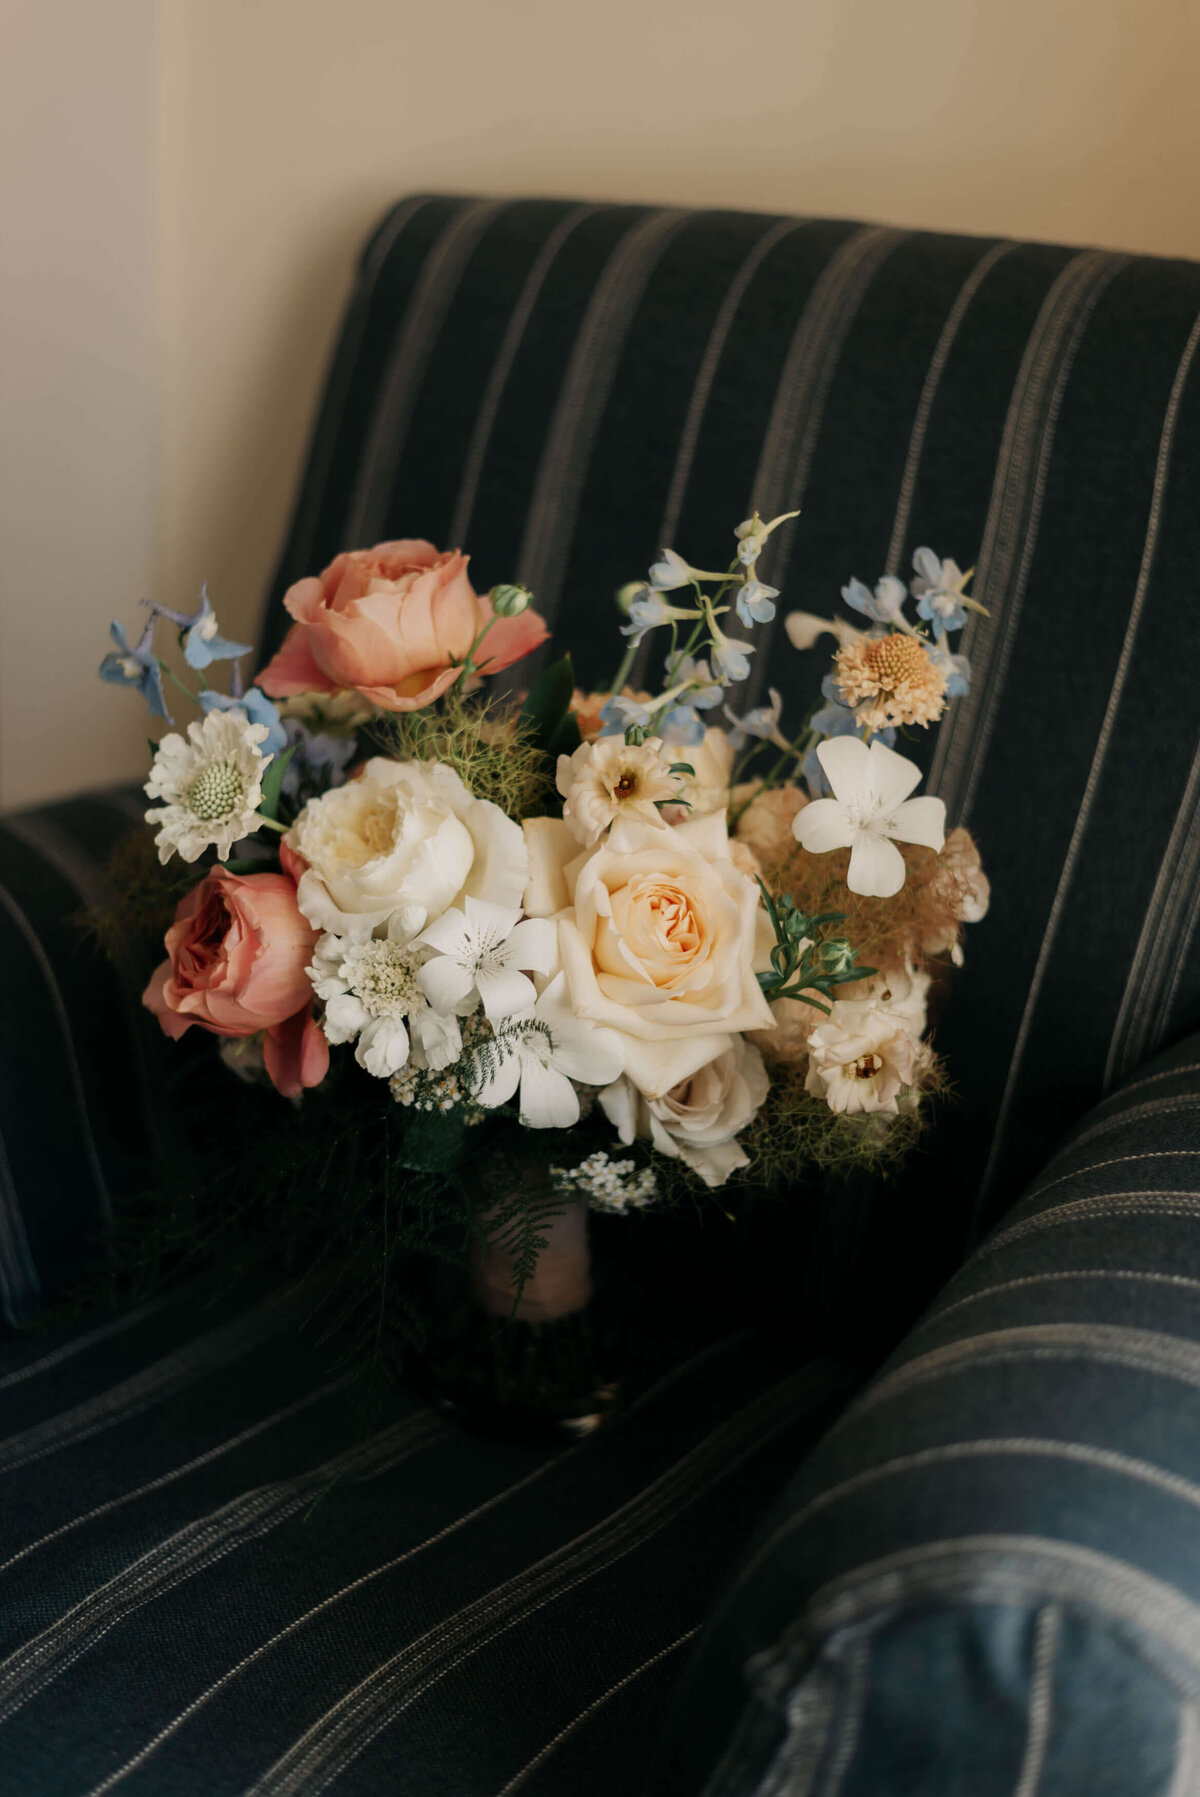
(765, 826)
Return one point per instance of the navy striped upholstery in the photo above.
(987, 1577)
(563, 389)
(213, 1581)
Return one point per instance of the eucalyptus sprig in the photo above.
(807, 957)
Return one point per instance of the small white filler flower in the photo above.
(870, 812)
(211, 781)
(478, 956)
(372, 996)
(541, 1052)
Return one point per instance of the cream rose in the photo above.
(697, 1120)
(404, 839)
(660, 935)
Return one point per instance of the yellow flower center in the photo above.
(892, 660)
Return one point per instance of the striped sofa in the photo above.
(975, 1572)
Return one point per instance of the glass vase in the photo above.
(525, 1362)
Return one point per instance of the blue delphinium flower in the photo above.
(682, 724)
(938, 590)
(258, 709)
(762, 722)
(835, 719)
(956, 668)
(203, 645)
(618, 713)
(138, 667)
(731, 661)
(707, 691)
(646, 612)
(756, 603)
(883, 606)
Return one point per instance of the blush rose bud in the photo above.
(510, 601)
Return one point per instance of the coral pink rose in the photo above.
(392, 621)
(237, 958)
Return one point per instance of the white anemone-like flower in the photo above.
(870, 812)
(211, 781)
(372, 996)
(541, 1051)
(478, 956)
(860, 1058)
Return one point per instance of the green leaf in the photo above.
(683, 767)
(566, 739)
(549, 701)
(273, 782)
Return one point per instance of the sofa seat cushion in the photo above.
(214, 1579)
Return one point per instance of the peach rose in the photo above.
(391, 622)
(237, 958)
(660, 937)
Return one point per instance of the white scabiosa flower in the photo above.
(540, 1052)
(211, 781)
(478, 957)
(870, 811)
(372, 997)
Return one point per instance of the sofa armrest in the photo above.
(81, 1118)
(987, 1576)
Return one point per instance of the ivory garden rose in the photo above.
(395, 622)
(403, 840)
(236, 964)
(659, 934)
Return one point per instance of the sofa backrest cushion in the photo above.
(563, 389)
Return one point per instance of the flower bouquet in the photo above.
(515, 958)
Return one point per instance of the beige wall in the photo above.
(285, 126)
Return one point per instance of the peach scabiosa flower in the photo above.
(890, 680)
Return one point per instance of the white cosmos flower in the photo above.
(372, 995)
(478, 956)
(541, 1051)
(869, 812)
(211, 781)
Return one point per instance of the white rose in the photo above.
(405, 840)
(697, 1120)
(660, 937)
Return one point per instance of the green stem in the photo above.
(795, 751)
(186, 690)
(468, 667)
(270, 823)
(622, 674)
